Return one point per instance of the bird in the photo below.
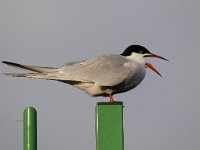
(105, 75)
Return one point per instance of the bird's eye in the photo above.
(141, 52)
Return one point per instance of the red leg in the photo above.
(111, 98)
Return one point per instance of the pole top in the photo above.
(109, 103)
(30, 108)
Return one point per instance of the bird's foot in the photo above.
(112, 100)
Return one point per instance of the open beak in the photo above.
(151, 66)
(156, 56)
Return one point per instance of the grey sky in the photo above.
(161, 113)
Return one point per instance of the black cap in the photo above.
(135, 48)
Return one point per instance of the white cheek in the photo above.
(137, 58)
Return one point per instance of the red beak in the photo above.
(156, 56)
(151, 66)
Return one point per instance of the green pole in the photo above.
(30, 128)
(109, 126)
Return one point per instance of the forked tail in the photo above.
(34, 71)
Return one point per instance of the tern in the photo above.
(101, 76)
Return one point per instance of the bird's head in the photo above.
(137, 53)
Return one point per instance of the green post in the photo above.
(109, 126)
(30, 128)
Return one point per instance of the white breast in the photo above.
(138, 72)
